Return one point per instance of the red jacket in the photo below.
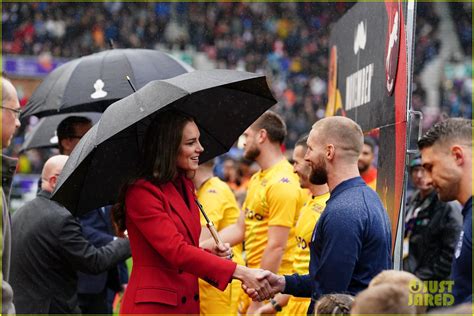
(167, 261)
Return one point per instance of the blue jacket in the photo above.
(97, 228)
(461, 271)
(350, 245)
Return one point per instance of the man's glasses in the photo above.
(16, 111)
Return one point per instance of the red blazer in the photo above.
(167, 261)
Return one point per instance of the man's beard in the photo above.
(448, 193)
(319, 174)
(252, 153)
(363, 167)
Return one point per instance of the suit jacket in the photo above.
(163, 226)
(8, 170)
(48, 250)
(97, 228)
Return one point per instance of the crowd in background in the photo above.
(286, 41)
(289, 43)
(456, 75)
(462, 17)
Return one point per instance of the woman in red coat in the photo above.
(159, 211)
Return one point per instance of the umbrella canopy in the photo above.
(223, 102)
(91, 83)
(43, 135)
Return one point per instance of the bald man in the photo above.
(352, 241)
(10, 122)
(49, 249)
(10, 112)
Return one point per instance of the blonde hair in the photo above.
(399, 278)
(383, 299)
(393, 276)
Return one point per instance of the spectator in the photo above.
(401, 278)
(334, 304)
(383, 299)
(366, 163)
(95, 292)
(398, 278)
(48, 240)
(462, 309)
(432, 229)
(229, 172)
(10, 122)
(70, 131)
(287, 41)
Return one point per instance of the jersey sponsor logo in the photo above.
(212, 191)
(301, 243)
(284, 180)
(250, 214)
(317, 208)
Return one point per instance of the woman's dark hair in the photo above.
(160, 150)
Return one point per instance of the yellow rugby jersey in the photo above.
(309, 216)
(221, 207)
(274, 198)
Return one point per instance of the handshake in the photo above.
(260, 285)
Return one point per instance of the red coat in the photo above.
(167, 261)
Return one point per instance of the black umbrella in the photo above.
(43, 135)
(223, 102)
(91, 83)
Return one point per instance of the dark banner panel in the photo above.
(368, 83)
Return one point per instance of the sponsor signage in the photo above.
(368, 83)
(30, 66)
(367, 39)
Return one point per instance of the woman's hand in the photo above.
(207, 244)
(222, 250)
(255, 282)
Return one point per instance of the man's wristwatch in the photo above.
(275, 305)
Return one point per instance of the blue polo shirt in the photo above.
(461, 271)
(350, 245)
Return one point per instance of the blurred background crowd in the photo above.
(289, 43)
(286, 41)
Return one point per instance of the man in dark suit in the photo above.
(48, 250)
(351, 242)
(10, 122)
(96, 292)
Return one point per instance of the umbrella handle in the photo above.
(214, 233)
(211, 227)
(216, 237)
